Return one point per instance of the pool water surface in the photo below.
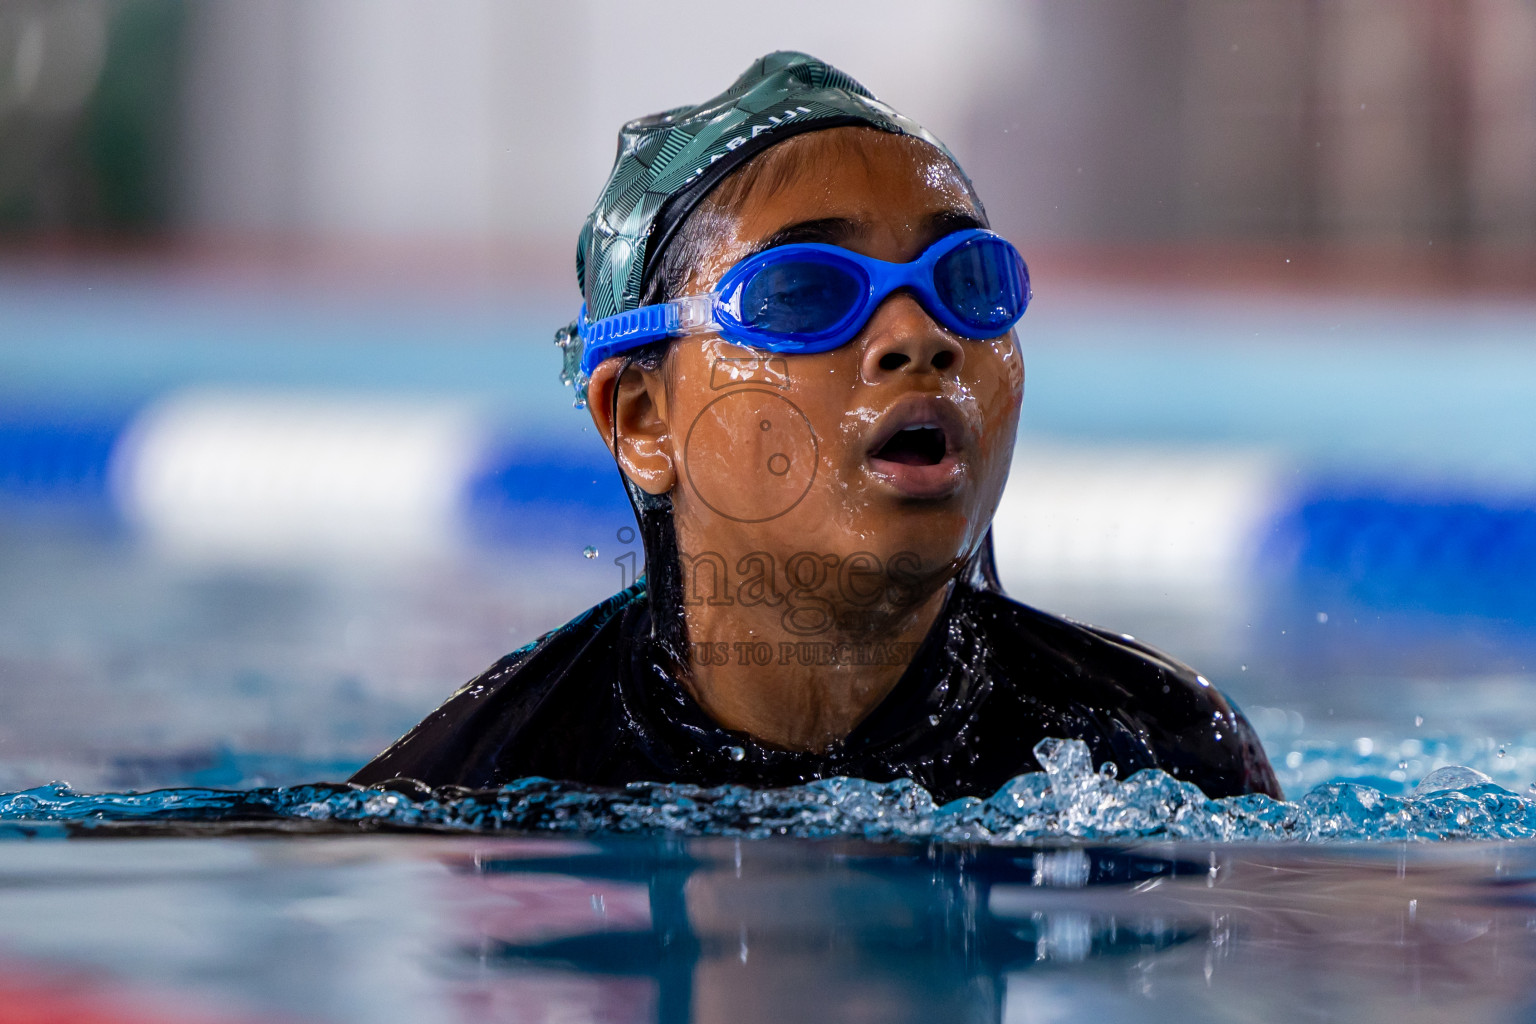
(1325, 506)
(424, 929)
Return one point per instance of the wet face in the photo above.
(895, 446)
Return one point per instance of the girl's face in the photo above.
(896, 445)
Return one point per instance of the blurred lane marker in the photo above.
(302, 480)
(268, 477)
(1185, 525)
(57, 460)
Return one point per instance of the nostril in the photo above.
(943, 359)
(893, 361)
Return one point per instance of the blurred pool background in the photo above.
(284, 458)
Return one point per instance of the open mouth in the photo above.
(918, 448)
(922, 444)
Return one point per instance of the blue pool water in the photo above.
(388, 929)
(171, 699)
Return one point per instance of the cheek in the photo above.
(995, 377)
(750, 455)
(751, 429)
(828, 388)
(691, 362)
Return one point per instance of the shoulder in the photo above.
(465, 741)
(1195, 731)
(1086, 652)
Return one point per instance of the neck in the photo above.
(794, 669)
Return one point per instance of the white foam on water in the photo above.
(1069, 800)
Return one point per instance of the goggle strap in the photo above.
(634, 328)
(623, 331)
(646, 322)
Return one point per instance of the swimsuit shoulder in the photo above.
(993, 679)
(1150, 710)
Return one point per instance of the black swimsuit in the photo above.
(589, 703)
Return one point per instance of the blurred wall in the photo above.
(1410, 122)
(1372, 120)
(89, 129)
(484, 119)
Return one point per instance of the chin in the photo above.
(931, 549)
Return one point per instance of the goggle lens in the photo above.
(800, 298)
(982, 284)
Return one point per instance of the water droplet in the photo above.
(933, 719)
(1322, 618)
(735, 753)
(589, 551)
(1418, 720)
(1243, 667)
(1451, 777)
(1501, 752)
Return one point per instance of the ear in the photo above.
(636, 427)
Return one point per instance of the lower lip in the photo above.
(936, 481)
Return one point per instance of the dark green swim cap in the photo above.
(668, 162)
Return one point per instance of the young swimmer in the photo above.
(797, 342)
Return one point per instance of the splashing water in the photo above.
(1069, 800)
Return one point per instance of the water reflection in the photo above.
(752, 931)
(345, 928)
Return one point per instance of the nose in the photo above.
(902, 338)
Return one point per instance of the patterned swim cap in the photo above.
(668, 162)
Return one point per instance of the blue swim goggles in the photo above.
(813, 298)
